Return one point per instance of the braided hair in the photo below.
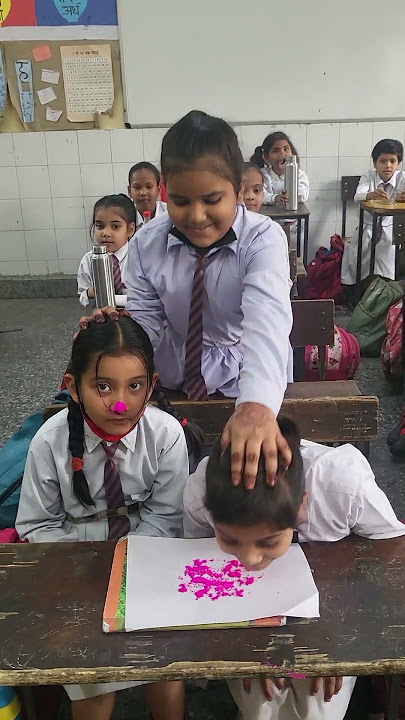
(114, 337)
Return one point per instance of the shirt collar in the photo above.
(230, 239)
(92, 440)
(122, 252)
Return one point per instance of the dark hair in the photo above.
(196, 135)
(122, 202)
(390, 147)
(276, 505)
(252, 166)
(114, 337)
(268, 142)
(144, 166)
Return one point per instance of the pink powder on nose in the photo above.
(205, 578)
(119, 408)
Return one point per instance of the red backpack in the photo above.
(323, 273)
(392, 351)
(342, 358)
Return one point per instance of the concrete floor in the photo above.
(33, 360)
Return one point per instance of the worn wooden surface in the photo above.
(51, 604)
(276, 212)
(376, 207)
(313, 323)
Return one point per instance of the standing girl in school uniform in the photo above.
(209, 282)
(271, 156)
(386, 182)
(144, 188)
(324, 495)
(108, 465)
(113, 225)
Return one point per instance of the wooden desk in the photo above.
(377, 210)
(280, 214)
(52, 598)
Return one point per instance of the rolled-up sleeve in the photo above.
(303, 187)
(143, 302)
(267, 321)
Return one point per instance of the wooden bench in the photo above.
(313, 324)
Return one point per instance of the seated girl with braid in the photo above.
(108, 465)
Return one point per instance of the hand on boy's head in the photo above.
(267, 686)
(253, 429)
(331, 686)
(100, 316)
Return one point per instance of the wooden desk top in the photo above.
(275, 211)
(374, 207)
(51, 604)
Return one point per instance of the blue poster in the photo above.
(76, 12)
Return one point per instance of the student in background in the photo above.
(253, 192)
(113, 225)
(108, 465)
(385, 183)
(325, 494)
(271, 157)
(144, 189)
(209, 282)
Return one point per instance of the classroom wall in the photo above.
(49, 183)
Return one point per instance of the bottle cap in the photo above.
(100, 250)
(146, 215)
(291, 159)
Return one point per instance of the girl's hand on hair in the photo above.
(100, 316)
(253, 429)
(267, 686)
(331, 686)
(282, 198)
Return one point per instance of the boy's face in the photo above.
(255, 546)
(386, 164)
(144, 190)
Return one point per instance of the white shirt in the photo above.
(343, 498)
(161, 207)
(274, 185)
(247, 310)
(153, 464)
(85, 276)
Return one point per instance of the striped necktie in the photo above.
(379, 230)
(194, 383)
(118, 525)
(118, 284)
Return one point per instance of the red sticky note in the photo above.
(43, 52)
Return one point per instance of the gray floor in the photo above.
(33, 359)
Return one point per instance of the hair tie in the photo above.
(184, 422)
(77, 463)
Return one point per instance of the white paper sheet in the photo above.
(154, 566)
(50, 76)
(46, 95)
(53, 115)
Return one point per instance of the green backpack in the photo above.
(369, 317)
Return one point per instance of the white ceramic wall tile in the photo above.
(322, 173)
(120, 172)
(71, 244)
(126, 146)
(68, 213)
(298, 136)
(37, 215)
(14, 268)
(12, 246)
(303, 163)
(33, 182)
(69, 267)
(43, 267)
(152, 143)
(89, 203)
(94, 146)
(353, 165)
(66, 181)
(323, 140)
(323, 205)
(238, 130)
(320, 234)
(97, 179)
(10, 215)
(9, 189)
(41, 245)
(30, 148)
(62, 147)
(355, 139)
(392, 130)
(6, 149)
(252, 135)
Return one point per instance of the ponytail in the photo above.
(194, 434)
(76, 447)
(257, 157)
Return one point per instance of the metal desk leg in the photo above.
(397, 257)
(373, 244)
(394, 693)
(306, 236)
(359, 254)
(299, 237)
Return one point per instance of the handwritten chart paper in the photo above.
(88, 80)
(3, 83)
(159, 592)
(23, 69)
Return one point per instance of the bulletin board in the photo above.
(16, 51)
(35, 13)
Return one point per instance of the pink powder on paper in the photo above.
(205, 578)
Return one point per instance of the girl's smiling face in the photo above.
(277, 155)
(202, 202)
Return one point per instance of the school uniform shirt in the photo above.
(161, 207)
(343, 498)
(247, 310)
(274, 185)
(153, 465)
(85, 276)
(385, 250)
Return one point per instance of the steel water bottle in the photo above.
(291, 182)
(103, 277)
